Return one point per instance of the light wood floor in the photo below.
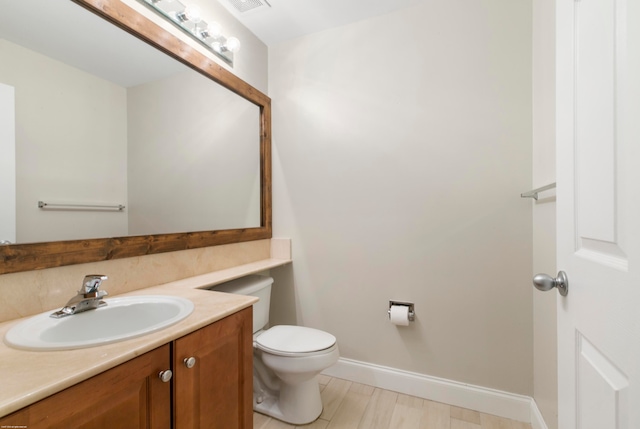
(349, 405)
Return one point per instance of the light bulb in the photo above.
(232, 44)
(214, 30)
(192, 13)
(216, 46)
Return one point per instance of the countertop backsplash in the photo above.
(32, 292)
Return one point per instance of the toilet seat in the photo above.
(288, 340)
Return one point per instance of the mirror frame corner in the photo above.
(34, 256)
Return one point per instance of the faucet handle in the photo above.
(91, 283)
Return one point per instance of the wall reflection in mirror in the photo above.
(103, 118)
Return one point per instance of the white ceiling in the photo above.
(287, 19)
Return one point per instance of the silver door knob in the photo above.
(165, 376)
(545, 282)
(190, 362)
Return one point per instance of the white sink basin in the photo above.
(121, 319)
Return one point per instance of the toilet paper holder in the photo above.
(411, 305)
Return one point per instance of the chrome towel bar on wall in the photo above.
(96, 207)
(534, 193)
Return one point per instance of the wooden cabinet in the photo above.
(128, 396)
(216, 392)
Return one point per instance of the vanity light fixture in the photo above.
(189, 19)
(190, 13)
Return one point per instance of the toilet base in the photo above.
(302, 403)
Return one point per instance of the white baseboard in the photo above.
(537, 421)
(489, 401)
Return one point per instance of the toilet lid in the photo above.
(295, 339)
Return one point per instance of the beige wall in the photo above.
(71, 146)
(401, 146)
(544, 216)
(209, 146)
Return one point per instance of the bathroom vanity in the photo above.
(121, 384)
(210, 387)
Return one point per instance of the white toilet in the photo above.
(286, 359)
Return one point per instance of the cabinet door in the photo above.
(217, 392)
(128, 396)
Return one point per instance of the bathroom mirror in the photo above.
(233, 131)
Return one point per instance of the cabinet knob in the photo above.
(165, 376)
(190, 362)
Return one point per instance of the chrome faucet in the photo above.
(89, 297)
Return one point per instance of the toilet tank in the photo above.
(253, 285)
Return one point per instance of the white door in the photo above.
(598, 203)
(7, 164)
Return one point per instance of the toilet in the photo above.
(286, 359)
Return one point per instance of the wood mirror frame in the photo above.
(34, 256)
